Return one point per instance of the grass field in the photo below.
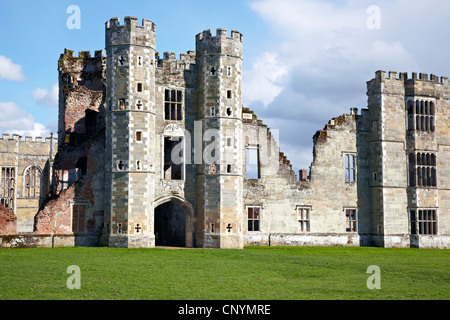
(256, 273)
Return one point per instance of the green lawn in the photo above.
(256, 273)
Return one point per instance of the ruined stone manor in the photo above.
(157, 150)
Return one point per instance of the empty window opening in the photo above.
(252, 163)
(213, 71)
(173, 105)
(303, 219)
(228, 168)
(138, 135)
(350, 215)
(350, 167)
(122, 61)
(229, 94)
(139, 87)
(229, 111)
(253, 218)
(120, 166)
(122, 104)
(423, 221)
(422, 170)
(173, 158)
(90, 122)
(213, 227)
(423, 116)
(81, 167)
(119, 228)
(213, 111)
(138, 165)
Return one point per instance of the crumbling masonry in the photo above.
(155, 151)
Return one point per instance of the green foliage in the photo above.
(256, 273)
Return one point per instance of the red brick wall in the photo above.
(8, 221)
(56, 216)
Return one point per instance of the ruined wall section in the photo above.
(17, 156)
(81, 144)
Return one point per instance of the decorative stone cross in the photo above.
(229, 227)
(138, 227)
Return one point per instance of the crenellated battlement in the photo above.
(403, 76)
(417, 84)
(130, 23)
(27, 139)
(84, 54)
(130, 32)
(220, 43)
(220, 34)
(170, 62)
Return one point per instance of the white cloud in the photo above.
(15, 120)
(321, 54)
(45, 97)
(9, 70)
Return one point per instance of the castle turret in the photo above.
(220, 217)
(130, 122)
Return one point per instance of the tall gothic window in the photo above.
(350, 167)
(32, 182)
(7, 187)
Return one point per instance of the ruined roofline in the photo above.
(84, 54)
(403, 76)
(130, 22)
(16, 137)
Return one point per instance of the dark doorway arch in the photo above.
(173, 222)
(170, 225)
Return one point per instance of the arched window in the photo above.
(32, 182)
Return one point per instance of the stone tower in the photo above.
(409, 148)
(220, 178)
(130, 123)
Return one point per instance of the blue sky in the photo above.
(305, 61)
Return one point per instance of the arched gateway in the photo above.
(173, 222)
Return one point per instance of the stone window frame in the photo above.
(423, 221)
(421, 115)
(35, 187)
(171, 101)
(422, 168)
(253, 148)
(303, 221)
(350, 172)
(8, 187)
(253, 219)
(351, 225)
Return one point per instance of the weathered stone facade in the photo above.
(155, 151)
